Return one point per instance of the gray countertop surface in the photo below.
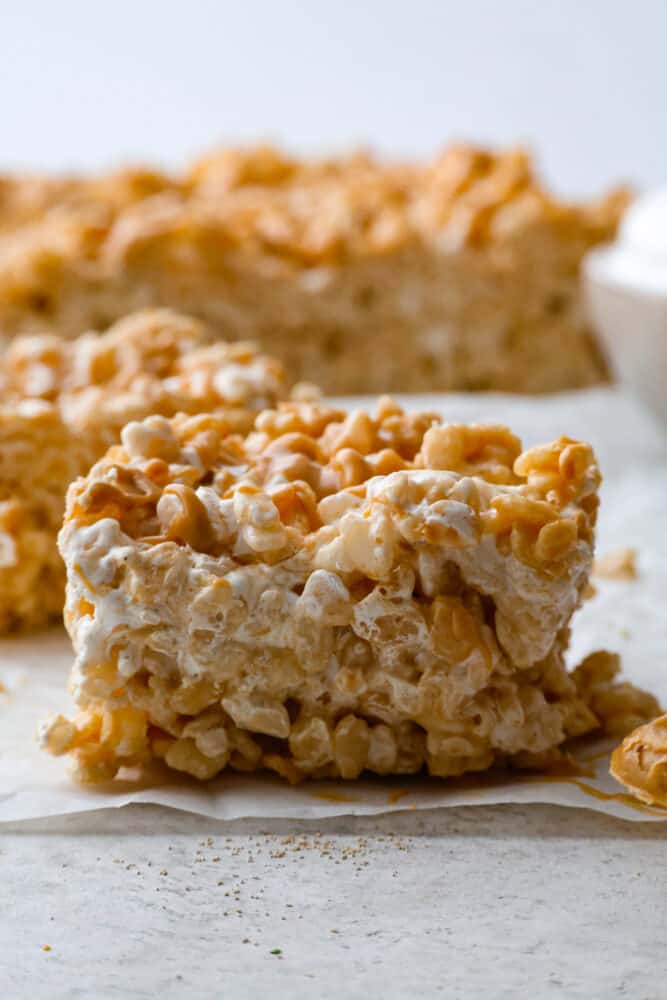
(504, 901)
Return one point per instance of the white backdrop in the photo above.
(584, 81)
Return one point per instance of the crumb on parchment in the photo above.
(619, 564)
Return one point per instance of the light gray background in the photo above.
(85, 84)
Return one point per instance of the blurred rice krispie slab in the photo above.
(330, 594)
(360, 275)
(63, 403)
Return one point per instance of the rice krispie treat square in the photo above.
(63, 403)
(329, 594)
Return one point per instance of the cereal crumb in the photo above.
(621, 564)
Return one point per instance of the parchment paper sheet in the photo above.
(628, 617)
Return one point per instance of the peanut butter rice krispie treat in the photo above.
(330, 594)
(63, 403)
(640, 762)
(363, 276)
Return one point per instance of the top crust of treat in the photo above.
(260, 204)
(305, 468)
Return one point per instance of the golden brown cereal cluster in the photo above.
(459, 273)
(640, 762)
(62, 403)
(329, 594)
